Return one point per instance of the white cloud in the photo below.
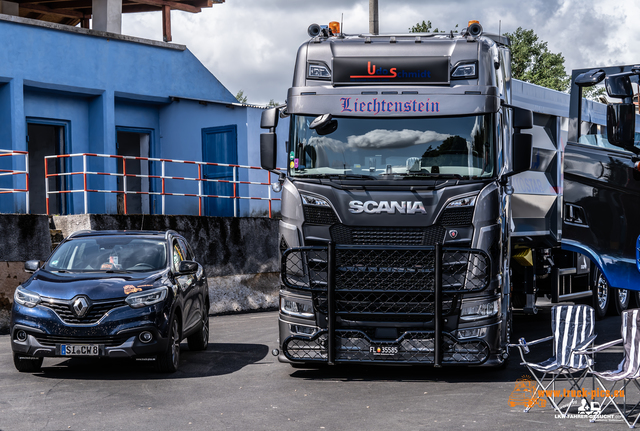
(252, 44)
(381, 138)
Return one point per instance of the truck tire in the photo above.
(27, 364)
(621, 298)
(601, 294)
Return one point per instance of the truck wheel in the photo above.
(168, 360)
(621, 299)
(200, 340)
(27, 364)
(601, 294)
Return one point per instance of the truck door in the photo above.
(601, 207)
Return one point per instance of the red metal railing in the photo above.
(13, 172)
(85, 173)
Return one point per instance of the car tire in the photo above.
(27, 364)
(169, 360)
(601, 294)
(621, 298)
(200, 340)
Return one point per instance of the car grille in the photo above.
(96, 311)
(342, 234)
(109, 341)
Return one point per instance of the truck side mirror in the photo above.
(268, 151)
(269, 118)
(522, 150)
(522, 118)
(621, 125)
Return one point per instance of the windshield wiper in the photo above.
(341, 176)
(430, 175)
(117, 271)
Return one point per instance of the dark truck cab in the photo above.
(412, 215)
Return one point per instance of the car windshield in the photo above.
(109, 254)
(393, 148)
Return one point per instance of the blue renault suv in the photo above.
(112, 294)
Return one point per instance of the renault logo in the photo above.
(80, 306)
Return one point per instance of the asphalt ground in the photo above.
(237, 384)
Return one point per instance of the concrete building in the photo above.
(71, 90)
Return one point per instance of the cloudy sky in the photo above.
(251, 45)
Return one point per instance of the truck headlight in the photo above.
(318, 71)
(476, 311)
(472, 333)
(26, 297)
(314, 200)
(468, 201)
(297, 307)
(464, 71)
(148, 297)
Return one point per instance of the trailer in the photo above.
(423, 200)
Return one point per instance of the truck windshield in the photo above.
(393, 148)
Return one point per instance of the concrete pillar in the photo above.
(9, 8)
(107, 15)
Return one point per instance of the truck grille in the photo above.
(386, 284)
(341, 234)
(457, 217)
(319, 215)
(96, 311)
(414, 347)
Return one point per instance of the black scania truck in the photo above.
(423, 200)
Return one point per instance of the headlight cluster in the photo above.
(297, 307)
(468, 201)
(313, 200)
(148, 297)
(472, 333)
(25, 297)
(476, 311)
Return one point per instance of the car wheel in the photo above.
(200, 340)
(169, 360)
(27, 364)
(621, 299)
(601, 294)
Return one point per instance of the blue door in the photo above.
(219, 145)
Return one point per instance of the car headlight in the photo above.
(297, 307)
(475, 311)
(25, 297)
(148, 297)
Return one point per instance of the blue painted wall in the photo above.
(97, 86)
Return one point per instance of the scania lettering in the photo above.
(423, 200)
(373, 207)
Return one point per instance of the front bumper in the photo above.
(116, 335)
(125, 345)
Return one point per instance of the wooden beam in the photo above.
(57, 12)
(172, 4)
(70, 5)
(166, 23)
(134, 8)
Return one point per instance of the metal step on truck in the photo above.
(428, 194)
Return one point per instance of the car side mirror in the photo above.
(31, 265)
(187, 267)
(621, 125)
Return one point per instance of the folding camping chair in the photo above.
(573, 327)
(629, 369)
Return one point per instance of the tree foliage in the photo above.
(531, 61)
(241, 97)
(425, 27)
